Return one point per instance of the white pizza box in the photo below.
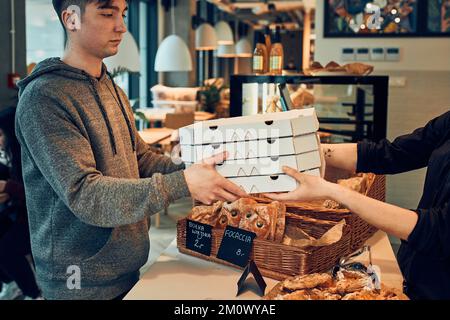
(271, 147)
(268, 165)
(274, 183)
(254, 127)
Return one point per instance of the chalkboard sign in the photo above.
(236, 246)
(198, 237)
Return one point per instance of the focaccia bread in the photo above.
(259, 224)
(267, 221)
(228, 216)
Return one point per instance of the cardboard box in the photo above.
(268, 165)
(253, 149)
(274, 183)
(255, 127)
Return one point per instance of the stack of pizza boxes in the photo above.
(258, 146)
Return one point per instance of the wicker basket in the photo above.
(280, 261)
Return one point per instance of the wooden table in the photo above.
(156, 135)
(159, 115)
(170, 277)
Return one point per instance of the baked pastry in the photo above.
(301, 98)
(334, 66)
(308, 281)
(362, 295)
(321, 286)
(316, 65)
(281, 221)
(345, 286)
(206, 214)
(252, 221)
(228, 216)
(296, 295)
(358, 68)
(358, 184)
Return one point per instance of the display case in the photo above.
(349, 108)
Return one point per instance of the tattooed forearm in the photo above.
(328, 152)
(341, 155)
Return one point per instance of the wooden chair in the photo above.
(178, 120)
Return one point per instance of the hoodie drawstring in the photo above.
(105, 116)
(130, 128)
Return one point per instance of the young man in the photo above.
(91, 182)
(424, 256)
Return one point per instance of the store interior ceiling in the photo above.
(289, 15)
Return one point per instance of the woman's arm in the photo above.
(408, 152)
(394, 220)
(341, 155)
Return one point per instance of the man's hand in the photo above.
(207, 186)
(311, 188)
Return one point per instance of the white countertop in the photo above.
(176, 276)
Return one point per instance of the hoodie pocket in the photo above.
(101, 250)
(125, 252)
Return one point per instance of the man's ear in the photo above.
(71, 18)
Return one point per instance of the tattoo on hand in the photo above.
(328, 152)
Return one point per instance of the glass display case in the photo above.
(349, 108)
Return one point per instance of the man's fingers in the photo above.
(280, 196)
(227, 196)
(217, 158)
(234, 189)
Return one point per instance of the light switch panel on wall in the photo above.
(377, 54)
(392, 54)
(347, 54)
(362, 54)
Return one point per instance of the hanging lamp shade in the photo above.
(173, 55)
(226, 51)
(127, 57)
(224, 33)
(244, 48)
(205, 38)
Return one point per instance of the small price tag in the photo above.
(236, 246)
(198, 237)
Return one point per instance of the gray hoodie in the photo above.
(91, 182)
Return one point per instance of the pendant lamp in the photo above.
(173, 53)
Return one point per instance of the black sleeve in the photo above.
(431, 233)
(405, 153)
